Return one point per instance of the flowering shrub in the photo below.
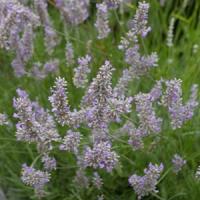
(99, 125)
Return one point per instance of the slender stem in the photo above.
(157, 196)
(164, 175)
(35, 160)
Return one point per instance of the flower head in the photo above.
(178, 163)
(144, 185)
(35, 178)
(101, 156)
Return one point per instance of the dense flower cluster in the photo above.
(96, 97)
(113, 3)
(59, 101)
(139, 24)
(14, 19)
(136, 135)
(172, 99)
(71, 142)
(103, 108)
(49, 162)
(17, 20)
(35, 178)
(35, 124)
(74, 12)
(144, 185)
(139, 64)
(60, 106)
(149, 122)
(81, 72)
(102, 23)
(178, 163)
(99, 106)
(101, 156)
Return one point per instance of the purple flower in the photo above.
(102, 23)
(139, 64)
(80, 73)
(59, 101)
(97, 181)
(49, 162)
(35, 124)
(139, 23)
(71, 142)
(74, 12)
(101, 156)
(144, 185)
(178, 163)
(16, 24)
(172, 99)
(26, 44)
(51, 66)
(60, 107)
(149, 122)
(69, 53)
(14, 16)
(97, 97)
(35, 178)
(136, 136)
(112, 4)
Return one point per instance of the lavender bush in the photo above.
(97, 106)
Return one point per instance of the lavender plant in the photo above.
(90, 146)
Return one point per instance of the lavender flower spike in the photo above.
(81, 72)
(178, 163)
(102, 23)
(74, 12)
(149, 122)
(49, 162)
(35, 124)
(59, 101)
(69, 53)
(139, 23)
(35, 178)
(144, 185)
(71, 142)
(172, 99)
(101, 156)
